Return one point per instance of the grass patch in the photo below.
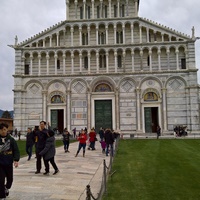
(22, 146)
(156, 170)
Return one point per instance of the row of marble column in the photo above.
(101, 7)
(57, 42)
(97, 61)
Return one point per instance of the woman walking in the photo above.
(82, 142)
(49, 152)
(92, 139)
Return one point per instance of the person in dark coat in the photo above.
(41, 135)
(49, 153)
(66, 139)
(158, 131)
(9, 156)
(101, 133)
(109, 139)
(29, 142)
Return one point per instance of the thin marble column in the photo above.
(64, 57)
(138, 109)
(133, 60)
(177, 59)
(164, 109)
(115, 55)
(72, 63)
(117, 108)
(39, 64)
(31, 64)
(68, 109)
(72, 36)
(55, 61)
(47, 60)
(44, 106)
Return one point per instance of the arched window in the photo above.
(57, 99)
(119, 36)
(81, 12)
(119, 61)
(102, 61)
(86, 62)
(150, 96)
(84, 38)
(103, 87)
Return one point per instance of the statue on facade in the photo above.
(16, 40)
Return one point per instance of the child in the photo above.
(49, 152)
(9, 154)
(103, 145)
(82, 142)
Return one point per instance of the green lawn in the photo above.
(156, 170)
(22, 146)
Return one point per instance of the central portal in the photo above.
(57, 120)
(103, 114)
(151, 119)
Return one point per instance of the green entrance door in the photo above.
(57, 120)
(103, 114)
(151, 119)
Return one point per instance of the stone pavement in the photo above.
(70, 184)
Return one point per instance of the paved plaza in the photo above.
(70, 184)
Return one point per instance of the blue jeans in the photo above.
(29, 150)
(80, 146)
(66, 144)
(111, 149)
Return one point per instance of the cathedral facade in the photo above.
(104, 66)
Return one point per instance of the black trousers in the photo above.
(6, 173)
(66, 144)
(52, 161)
(38, 161)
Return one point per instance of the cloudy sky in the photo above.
(26, 18)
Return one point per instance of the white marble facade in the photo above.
(143, 65)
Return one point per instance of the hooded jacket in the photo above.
(49, 150)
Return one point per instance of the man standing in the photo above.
(9, 155)
(41, 134)
(29, 142)
(109, 139)
(101, 134)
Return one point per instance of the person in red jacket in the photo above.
(82, 142)
(92, 139)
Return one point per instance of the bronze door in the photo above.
(103, 114)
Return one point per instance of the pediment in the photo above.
(163, 29)
(145, 23)
(43, 34)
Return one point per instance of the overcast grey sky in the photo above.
(26, 18)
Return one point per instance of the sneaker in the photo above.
(46, 173)
(56, 171)
(6, 191)
(37, 172)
